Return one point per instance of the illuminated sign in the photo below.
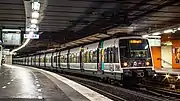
(154, 42)
(11, 38)
(135, 41)
(31, 36)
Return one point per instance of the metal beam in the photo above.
(170, 2)
(125, 2)
(74, 6)
(10, 14)
(86, 13)
(5, 3)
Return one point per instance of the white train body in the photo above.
(114, 58)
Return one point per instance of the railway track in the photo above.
(158, 92)
(117, 93)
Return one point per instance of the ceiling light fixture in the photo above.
(34, 21)
(37, 29)
(156, 33)
(35, 14)
(28, 29)
(144, 36)
(33, 26)
(168, 31)
(178, 28)
(36, 6)
(24, 44)
(11, 30)
(31, 33)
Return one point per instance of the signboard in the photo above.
(11, 38)
(154, 42)
(31, 36)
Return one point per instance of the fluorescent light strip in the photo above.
(24, 44)
(12, 30)
(144, 36)
(34, 21)
(35, 14)
(36, 6)
(33, 26)
(178, 28)
(168, 31)
(157, 33)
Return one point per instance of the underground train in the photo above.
(122, 58)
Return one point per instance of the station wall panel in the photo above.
(175, 61)
(156, 53)
(166, 56)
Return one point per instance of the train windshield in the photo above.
(134, 48)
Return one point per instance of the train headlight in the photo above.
(178, 77)
(147, 63)
(167, 75)
(125, 64)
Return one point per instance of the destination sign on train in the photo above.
(135, 41)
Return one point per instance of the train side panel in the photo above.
(74, 58)
(48, 60)
(90, 56)
(63, 59)
(42, 60)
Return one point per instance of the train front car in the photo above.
(135, 57)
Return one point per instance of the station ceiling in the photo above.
(12, 14)
(68, 21)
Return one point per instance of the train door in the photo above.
(28, 60)
(0, 55)
(31, 60)
(56, 60)
(68, 65)
(45, 60)
(52, 55)
(81, 58)
(59, 53)
(100, 57)
(39, 60)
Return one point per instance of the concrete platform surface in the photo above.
(23, 83)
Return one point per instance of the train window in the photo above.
(70, 58)
(45, 59)
(134, 48)
(37, 59)
(110, 53)
(85, 57)
(48, 59)
(55, 58)
(65, 57)
(78, 58)
(116, 59)
(91, 56)
(75, 58)
(62, 59)
(105, 56)
(94, 56)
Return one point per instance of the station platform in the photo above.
(168, 71)
(23, 83)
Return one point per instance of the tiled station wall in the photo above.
(156, 53)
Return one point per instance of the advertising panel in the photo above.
(11, 38)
